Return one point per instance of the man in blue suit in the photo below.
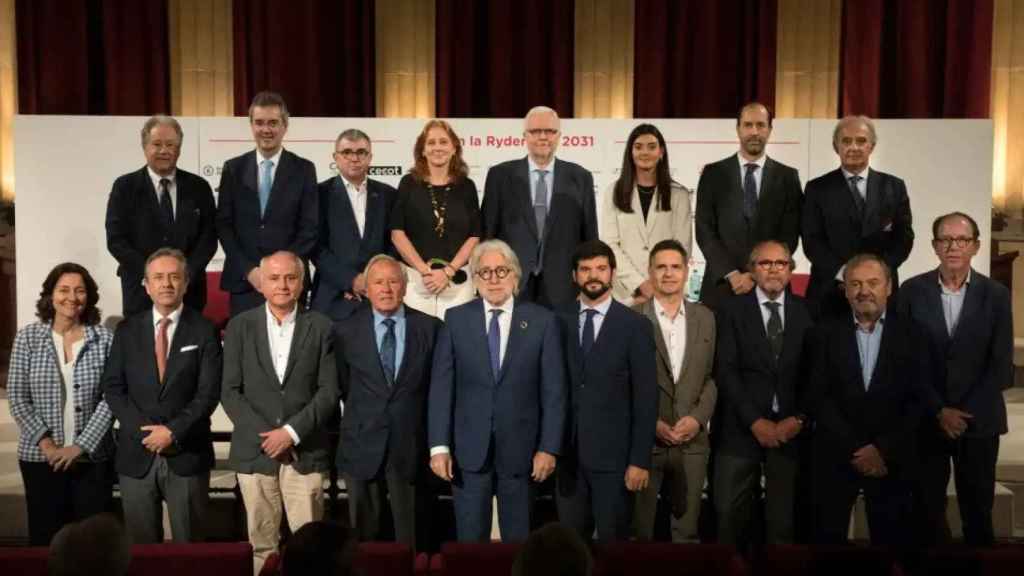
(497, 399)
(353, 228)
(614, 401)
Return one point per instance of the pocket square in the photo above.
(189, 348)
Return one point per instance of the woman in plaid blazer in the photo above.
(64, 441)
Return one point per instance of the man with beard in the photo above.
(760, 348)
(742, 200)
(614, 401)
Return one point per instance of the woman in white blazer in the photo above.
(641, 208)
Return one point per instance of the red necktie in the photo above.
(161, 347)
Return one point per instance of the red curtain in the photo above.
(916, 58)
(701, 59)
(92, 57)
(318, 54)
(499, 58)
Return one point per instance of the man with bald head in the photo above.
(542, 207)
(279, 388)
(850, 210)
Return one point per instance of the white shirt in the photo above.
(602, 311)
(357, 198)
(673, 330)
(766, 314)
(953, 303)
(67, 371)
(280, 340)
(276, 159)
(757, 173)
(172, 186)
(175, 317)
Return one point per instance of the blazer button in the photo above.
(76, 386)
(78, 408)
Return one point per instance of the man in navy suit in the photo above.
(613, 389)
(383, 352)
(497, 399)
(354, 214)
(156, 206)
(542, 207)
(267, 203)
(966, 317)
(162, 382)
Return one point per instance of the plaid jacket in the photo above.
(35, 389)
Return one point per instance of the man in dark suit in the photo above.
(742, 200)
(383, 353)
(851, 210)
(542, 207)
(354, 213)
(760, 370)
(967, 319)
(267, 202)
(280, 391)
(863, 374)
(614, 401)
(497, 399)
(156, 206)
(684, 334)
(162, 382)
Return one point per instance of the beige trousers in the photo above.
(301, 495)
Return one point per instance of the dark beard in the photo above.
(594, 295)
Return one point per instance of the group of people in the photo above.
(508, 343)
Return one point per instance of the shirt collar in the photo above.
(379, 318)
(289, 319)
(863, 173)
(860, 328)
(349, 185)
(276, 158)
(762, 297)
(174, 316)
(534, 167)
(743, 161)
(938, 278)
(660, 312)
(505, 308)
(156, 177)
(602, 308)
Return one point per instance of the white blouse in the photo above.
(67, 370)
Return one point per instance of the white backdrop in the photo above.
(65, 166)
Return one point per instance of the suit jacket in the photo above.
(256, 401)
(341, 253)
(972, 367)
(183, 403)
(748, 375)
(613, 391)
(694, 393)
(383, 420)
(135, 230)
(572, 219)
(631, 238)
(523, 406)
(886, 414)
(289, 222)
(724, 235)
(834, 231)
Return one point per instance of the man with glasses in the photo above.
(542, 207)
(760, 417)
(353, 227)
(497, 399)
(967, 319)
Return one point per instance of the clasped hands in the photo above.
(59, 459)
(774, 434)
(684, 430)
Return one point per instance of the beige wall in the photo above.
(8, 98)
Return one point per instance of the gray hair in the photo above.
(847, 121)
(298, 261)
(161, 120)
(864, 258)
(385, 258)
(499, 246)
(752, 260)
(541, 110)
(352, 134)
(168, 252)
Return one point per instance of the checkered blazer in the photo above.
(35, 389)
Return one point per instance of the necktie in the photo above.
(750, 192)
(540, 201)
(494, 342)
(388, 350)
(858, 200)
(774, 328)
(587, 339)
(166, 208)
(266, 183)
(161, 348)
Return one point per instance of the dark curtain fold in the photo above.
(499, 58)
(93, 57)
(703, 59)
(318, 54)
(916, 58)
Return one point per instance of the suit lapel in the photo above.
(755, 325)
(259, 331)
(298, 342)
(368, 335)
(645, 228)
(146, 338)
(516, 332)
(849, 334)
(184, 212)
(935, 320)
(665, 360)
(251, 179)
(282, 173)
(574, 351)
(971, 308)
(693, 328)
(523, 173)
(870, 223)
(346, 212)
(375, 215)
(181, 334)
(790, 343)
(413, 345)
(559, 184)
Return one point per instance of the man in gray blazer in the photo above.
(279, 389)
(684, 334)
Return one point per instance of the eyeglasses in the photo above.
(501, 272)
(350, 154)
(946, 242)
(772, 264)
(549, 132)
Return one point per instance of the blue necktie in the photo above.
(587, 339)
(266, 183)
(494, 342)
(750, 192)
(387, 351)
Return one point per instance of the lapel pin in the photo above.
(523, 325)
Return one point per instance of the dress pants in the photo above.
(973, 462)
(54, 499)
(473, 491)
(887, 500)
(366, 499)
(588, 499)
(187, 499)
(679, 478)
(302, 496)
(737, 481)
